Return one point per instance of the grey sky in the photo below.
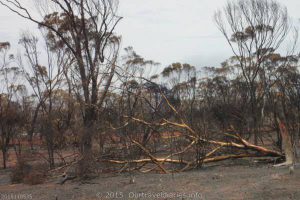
(163, 30)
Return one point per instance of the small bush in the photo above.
(34, 178)
(19, 172)
(28, 174)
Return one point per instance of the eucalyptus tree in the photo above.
(253, 29)
(86, 29)
(45, 79)
(11, 90)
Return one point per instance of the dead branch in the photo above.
(151, 156)
(262, 150)
(245, 145)
(226, 157)
(187, 164)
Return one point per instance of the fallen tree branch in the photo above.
(262, 150)
(188, 164)
(151, 156)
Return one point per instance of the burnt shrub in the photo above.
(29, 173)
(18, 173)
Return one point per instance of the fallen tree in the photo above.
(244, 149)
(241, 144)
(216, 150)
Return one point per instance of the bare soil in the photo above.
(242, 179)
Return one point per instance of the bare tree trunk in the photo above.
(286, 137)
(296, 140)
(31, 131)
(287, 143)
(279, 138)
(255, 120)
(4, 155)
(5, 147)
(49, 134)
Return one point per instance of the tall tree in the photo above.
(254, 29)
(10, 89)
(86, 29)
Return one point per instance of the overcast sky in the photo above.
(165, 31)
